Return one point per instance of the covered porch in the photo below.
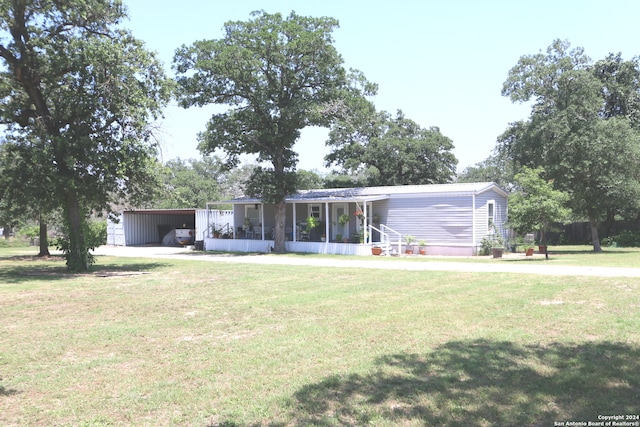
(329, 223)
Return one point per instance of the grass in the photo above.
(558, 255)
(185, 343)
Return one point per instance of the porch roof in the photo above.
(368, 194)
(319, 196)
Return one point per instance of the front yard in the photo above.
(168, 342)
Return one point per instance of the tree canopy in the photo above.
(78, 93)
(190, 183)
(583, 128)
(535, 205)
(391, 150)
(495, 168)
(279, 75)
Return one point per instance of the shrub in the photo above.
(485, 245)
(624, 239)
(95, 234)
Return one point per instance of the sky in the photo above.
(442, 63)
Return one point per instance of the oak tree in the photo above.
(79, 93)
(582, 128)
(278, 75)
(391, 150)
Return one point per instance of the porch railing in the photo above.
(385, 237)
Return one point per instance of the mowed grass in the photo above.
(190, 343)
(577, 255)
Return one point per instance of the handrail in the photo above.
(384, 236)
(385, 228)
(222, 229)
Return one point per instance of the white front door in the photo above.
(337, 210)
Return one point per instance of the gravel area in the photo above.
(499, 266)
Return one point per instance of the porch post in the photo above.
(262, 218)
(326, 223)
(294, 229)
(365, 225)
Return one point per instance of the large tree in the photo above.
(536, 205)
(391, 150)
(25, 188)
(581, 129)
(190, 183)
(496, 168)
(80, 93)
(279, 75)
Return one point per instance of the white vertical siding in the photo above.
(141, 229)
(115, 232)
(212, 217)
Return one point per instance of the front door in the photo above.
(337, 210)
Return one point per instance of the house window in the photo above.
(315, 211)
(491, 215)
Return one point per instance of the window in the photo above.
(491, 215)
(315, 211)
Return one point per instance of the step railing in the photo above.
(385, 238)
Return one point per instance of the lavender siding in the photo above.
(437, 219)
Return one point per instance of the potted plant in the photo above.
(409, 239)
(376, 250)
(343, 219)
(338, 237)
(497, 243)
(528, 249)
(422, 247)
(312, 222)
(216, 231)
(497, 251)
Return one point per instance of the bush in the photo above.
(485, 245)
(95, 234)
(625, 239)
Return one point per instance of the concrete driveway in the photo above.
(498, 266)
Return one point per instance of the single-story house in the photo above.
(451, 218)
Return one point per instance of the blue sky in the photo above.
(441, 62)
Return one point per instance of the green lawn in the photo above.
(558, 255)
(186, 343)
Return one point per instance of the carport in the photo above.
(149, 226)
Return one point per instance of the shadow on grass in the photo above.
(26, 272)
(480, 383)
(7, 391)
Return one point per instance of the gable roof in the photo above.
(380, 193)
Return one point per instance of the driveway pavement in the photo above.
(499, 266)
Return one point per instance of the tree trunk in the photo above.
(594, 235)
(279, 238)
(44, 240)
(77, 257)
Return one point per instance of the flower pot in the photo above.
(542, 249)
(529, 252)
(497, 252)
(423, 251)
(376, 250)
(409, 251)
(345, 240)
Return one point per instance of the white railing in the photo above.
(385, 239)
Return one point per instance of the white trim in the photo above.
(491, 215)
(473, 222)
